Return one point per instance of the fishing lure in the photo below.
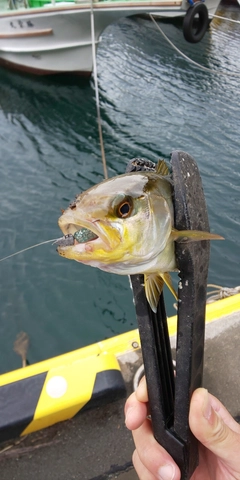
(82, 236)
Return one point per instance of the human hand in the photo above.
(210, 422)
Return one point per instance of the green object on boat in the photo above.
(41, 3)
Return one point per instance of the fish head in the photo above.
(129, 219)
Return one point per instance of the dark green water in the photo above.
(152, 101)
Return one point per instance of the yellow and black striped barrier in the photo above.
(57, 389)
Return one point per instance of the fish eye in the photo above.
(124, 209)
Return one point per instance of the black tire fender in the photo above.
(191, 33)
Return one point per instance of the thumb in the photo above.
(214, 427)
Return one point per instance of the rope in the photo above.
(206, 69)
(225, 18)
(217, 294)
(97, 94)
(221, 292)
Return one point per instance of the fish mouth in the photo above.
(78, 243)
(83, 236)
(80, 236)
(76, 235)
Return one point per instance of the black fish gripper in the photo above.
(169, 396)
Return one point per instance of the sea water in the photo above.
(152, 102)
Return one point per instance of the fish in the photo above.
(125, 225)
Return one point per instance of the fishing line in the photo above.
(28, 248)
(97, 93)
(206, 69)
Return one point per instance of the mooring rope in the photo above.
(97, 94)
(225, 18)
(206, 69)
(218, 293)
(221, 292)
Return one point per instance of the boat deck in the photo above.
(96, 444)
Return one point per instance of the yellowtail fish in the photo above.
(125, 225)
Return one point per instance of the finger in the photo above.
(212, 426)
(141, 392)
(142, 471)
(224, 414)
(153, 456)
(135, 412)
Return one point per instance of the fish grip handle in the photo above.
(169, 398)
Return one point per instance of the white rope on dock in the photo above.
(221, 292)
(206, 69)
(218, 293)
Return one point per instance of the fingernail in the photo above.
(141, 391)
(166, 472)
(128, 413)
(207, 408)
(141, 387)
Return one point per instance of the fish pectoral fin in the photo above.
(167, 279)
(185, 236)
(153, 284)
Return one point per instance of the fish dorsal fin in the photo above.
(153, 283)
(162, 168)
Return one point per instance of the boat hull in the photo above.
(57, 39)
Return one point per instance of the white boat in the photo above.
(54, 36)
